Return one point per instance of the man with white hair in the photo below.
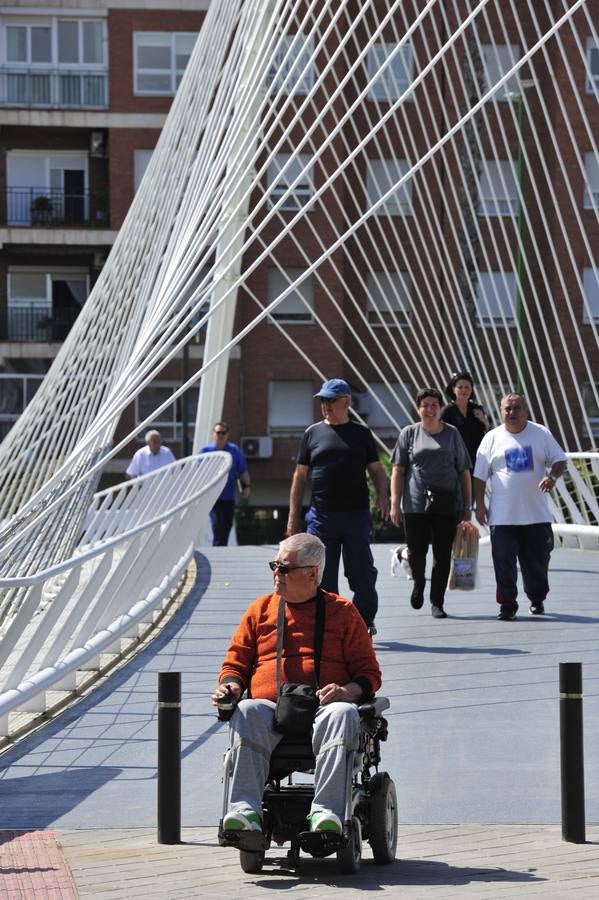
(349, 673)
(151, 457)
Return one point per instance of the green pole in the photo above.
(521, 231)
(184, 403)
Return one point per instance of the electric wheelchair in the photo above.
(370, 804)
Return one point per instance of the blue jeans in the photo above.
(348, 533)
(221, 519)
(531, 546)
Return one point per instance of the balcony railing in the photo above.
(36, 322)
(74, 89)
(45, 207)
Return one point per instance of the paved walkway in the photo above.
(474, 739)
(451, 861)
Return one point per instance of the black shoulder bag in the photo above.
(297, 703)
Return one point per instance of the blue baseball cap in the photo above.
(333, 388)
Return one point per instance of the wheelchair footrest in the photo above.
(321, 843)
(254, 841)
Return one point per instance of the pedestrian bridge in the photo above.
(474, 718)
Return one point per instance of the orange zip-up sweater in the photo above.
(347, 652)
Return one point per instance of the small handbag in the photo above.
(439, 502)
(297, 703)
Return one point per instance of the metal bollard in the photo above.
(169, 757)
(572, 756)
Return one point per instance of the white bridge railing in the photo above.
(575, 502)
(137, 542)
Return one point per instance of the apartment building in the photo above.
(84, 91)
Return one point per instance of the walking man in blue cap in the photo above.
(338, 453)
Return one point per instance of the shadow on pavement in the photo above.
(374, 877)
(67, 789)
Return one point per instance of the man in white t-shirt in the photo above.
(523, 461)
(151, 457)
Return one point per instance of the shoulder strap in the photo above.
(318, 636)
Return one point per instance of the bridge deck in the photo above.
(474, 719)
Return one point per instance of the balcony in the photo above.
(38, 88)
(26, 322)
(47, 208)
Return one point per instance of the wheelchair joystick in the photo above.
(226, 704)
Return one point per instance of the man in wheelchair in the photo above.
(301, 634)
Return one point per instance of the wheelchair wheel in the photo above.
(350, 857)
(383, 818)
(251, 862)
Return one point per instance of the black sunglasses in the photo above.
(221, 432)
(285, 568)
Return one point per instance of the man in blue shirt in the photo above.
(221, 514)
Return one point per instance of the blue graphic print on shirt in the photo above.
(519, 459)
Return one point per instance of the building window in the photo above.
(279, 181)
(496, 299)
(591, 171)
(399, 410)
(591, 294)
(389, 298)
(498, 193)
(45, 189)
(54, 62)
(394, 81)
(43, 306)
(293, 308)
(593, 66)
(141, 161)
(497, 60)
(160, 59)
(290, 405)
(589, 399)
(292, 56)
(16, 391)
(382, 175)
(170, 421)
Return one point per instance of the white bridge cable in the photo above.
(178, 250)
(506, 248)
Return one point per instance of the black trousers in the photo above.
(221, 518)
(422, 530)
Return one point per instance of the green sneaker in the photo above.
(242, 821)
(325, 821)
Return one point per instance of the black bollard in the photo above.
(169, 757)
(572, 756)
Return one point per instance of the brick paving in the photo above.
(32, 866)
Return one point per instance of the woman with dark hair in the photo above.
(464, 413)
(431, 491)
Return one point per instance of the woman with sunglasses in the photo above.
(464, 413)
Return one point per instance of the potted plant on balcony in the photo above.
(41, 210)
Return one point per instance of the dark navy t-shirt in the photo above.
(338, 456)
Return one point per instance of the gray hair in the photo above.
(310, 550)
(514, 394)
(152, 433)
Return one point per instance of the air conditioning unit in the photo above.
(257, 447)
